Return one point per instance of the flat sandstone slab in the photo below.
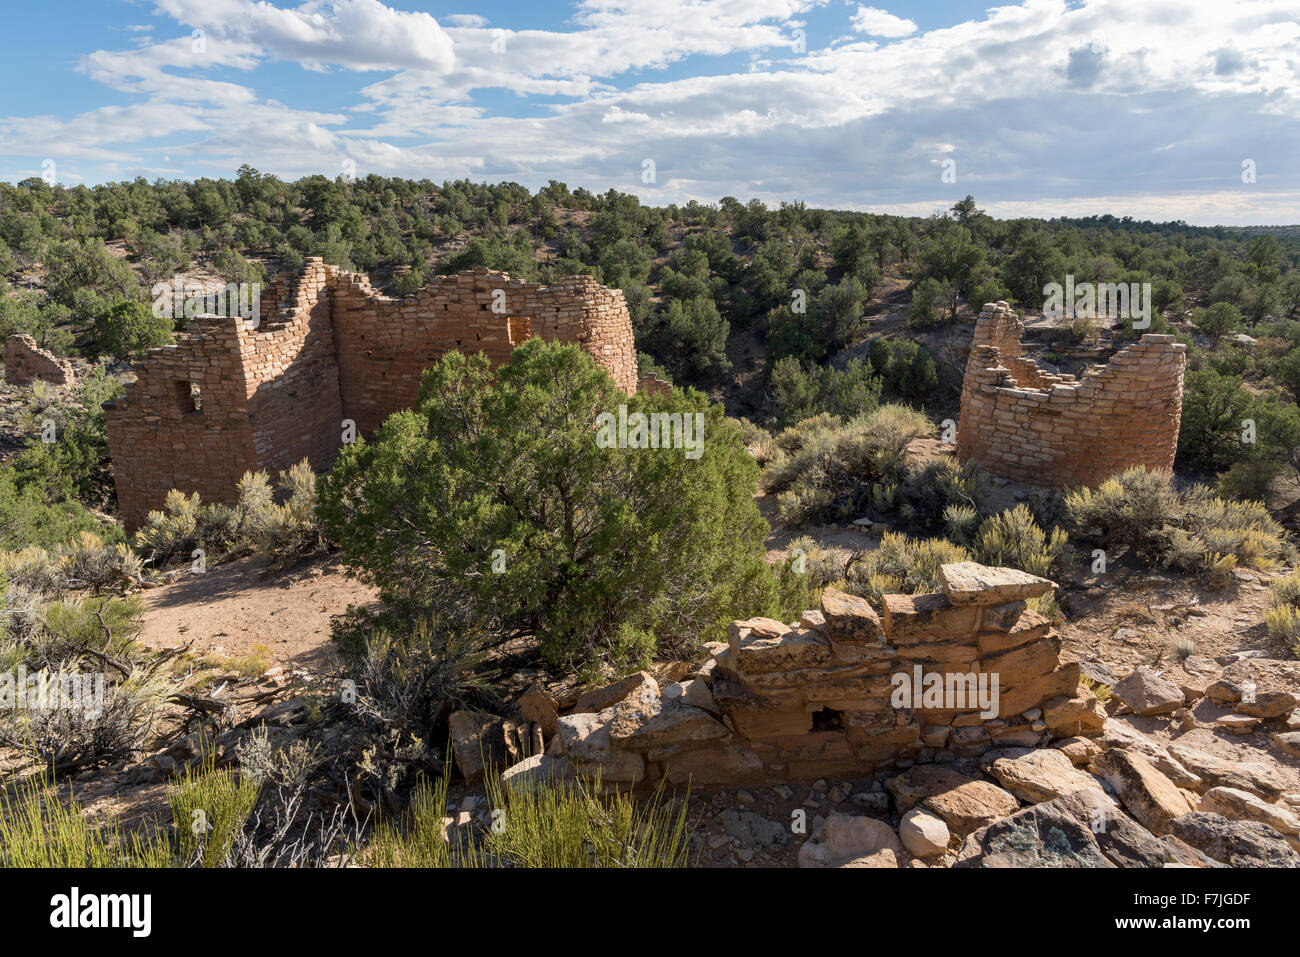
(970, 583)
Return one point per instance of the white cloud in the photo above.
(1046, 107)
(354, 34)
(881, 23)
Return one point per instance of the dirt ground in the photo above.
(232, 608)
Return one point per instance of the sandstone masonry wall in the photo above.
(228, 397)
(817, 699)
(1025, 424)
(26, 361)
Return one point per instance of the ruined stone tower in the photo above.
(228, 397)
(1027, 425)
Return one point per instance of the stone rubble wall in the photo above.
(1025, 424)
(803, 701)
(328, 348)
(25, 362)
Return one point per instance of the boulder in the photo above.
(1236, 723)
(923, 834)
(1045, 835)
(1079, 750)
(1288, 741)
(681, 724)
(848, 839)
(964, 803)
(1148, 693)
(1083, 829)
(1120, 735)
(1040, 775)
(1235, 843)
(1146, 793)
(1223, 691)
(691, 691)
(540, 708)
(1239, 805)
(1253, 776)
(585, 739)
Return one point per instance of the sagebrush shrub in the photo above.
(824, 469)
(1191, 529)
(901, 565)
(1014, 539)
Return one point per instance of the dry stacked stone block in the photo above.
(25, 361)
(229, 397)
(1027, 425)
(818, 697)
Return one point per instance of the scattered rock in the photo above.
(1148, 693)
(1253, 776)
(1236, 723)
(753, 830)
(1223, 691)
(476, 739)
(1288, 741)
(540, 708)
(1045, 835)
(1079, 750)
(840, 792)
(593, 700)
(963, 802)
(1268, 704)
(585, 739)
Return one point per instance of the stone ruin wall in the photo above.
(25, 362)
(384, 344)
(228, 398)
(813, 699)
(1025, 424)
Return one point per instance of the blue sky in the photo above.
(1043, 108)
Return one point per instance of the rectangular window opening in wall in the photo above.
(188, 397)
